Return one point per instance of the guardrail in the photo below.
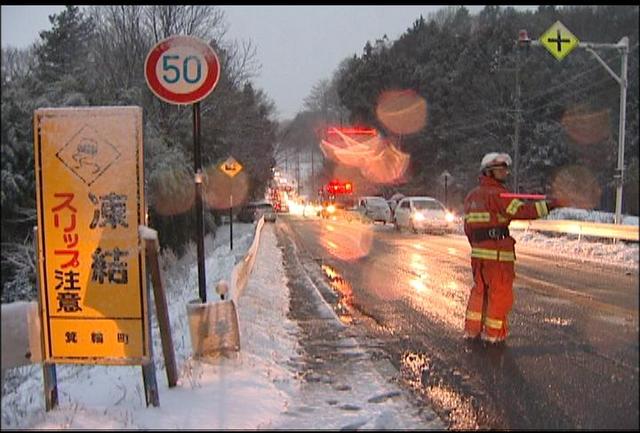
(242, 270)
(580, 228)
(625, 232)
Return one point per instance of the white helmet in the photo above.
(495, 159)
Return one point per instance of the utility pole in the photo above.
(324, 114)
(623, 47)
(298, 169)
(516, 144)
(523, 42)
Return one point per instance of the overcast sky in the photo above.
(297, 45)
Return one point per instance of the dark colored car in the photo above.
(246, 214)
(254, 210)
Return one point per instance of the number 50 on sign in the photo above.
(182, 70)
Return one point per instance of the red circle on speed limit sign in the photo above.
(182, 70)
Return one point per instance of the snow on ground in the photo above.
(256, 388)
(620, 253)
(568, 213)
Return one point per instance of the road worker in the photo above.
(486, 224)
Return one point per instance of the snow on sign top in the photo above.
(182, 70)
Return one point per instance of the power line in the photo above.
(572, 78)
(552, 89)
(490, 115)
(465, 124)
(462, 126)
(563, 97)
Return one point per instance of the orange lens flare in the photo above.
(220, 191)
(588, 128)
(347, 243)
(402, 111)
(172, 192)
(576, 186)
(378, 160)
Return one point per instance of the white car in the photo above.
(423, 214)
(375, 208)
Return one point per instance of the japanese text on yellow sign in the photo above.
(90, 202)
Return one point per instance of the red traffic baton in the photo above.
(523, 196)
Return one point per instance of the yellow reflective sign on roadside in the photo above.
(90, 202)
(231, 167)
(558, 40)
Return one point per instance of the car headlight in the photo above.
(331, 208)
(449, 217)
(417, 216)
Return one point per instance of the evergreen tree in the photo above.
(64, 74)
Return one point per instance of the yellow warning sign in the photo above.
(558, 40)
(231, 167)
(90, 202)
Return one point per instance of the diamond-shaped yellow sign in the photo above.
(558, 40)
(230, 167)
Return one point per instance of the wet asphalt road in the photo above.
(571, 361)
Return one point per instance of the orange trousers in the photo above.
(491, 298)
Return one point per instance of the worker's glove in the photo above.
(553, 203)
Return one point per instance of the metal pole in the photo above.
(298, 171)
(149, 370)
(623, 45)
(202, 284)
(621, 128)
(445, 192)
(313, 177)
(49, 376)
(230, 221)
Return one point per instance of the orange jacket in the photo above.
(484, 209)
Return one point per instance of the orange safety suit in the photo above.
(486, 222)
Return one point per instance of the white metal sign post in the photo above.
(184, 70)
(554, 44)
(230, 167)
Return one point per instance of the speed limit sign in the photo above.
(182, 70)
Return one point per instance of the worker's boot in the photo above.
(494, 341)
(469, 336)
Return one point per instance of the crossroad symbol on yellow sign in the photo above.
(558, 40)
(231, 167)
